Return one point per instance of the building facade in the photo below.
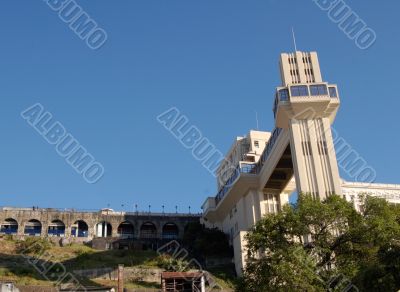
(81, 226)
(297, 156)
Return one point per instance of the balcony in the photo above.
(208, 204)
(246, 168)
(305, 101)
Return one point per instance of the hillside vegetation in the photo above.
(15, 264)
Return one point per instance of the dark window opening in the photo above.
(301, 90)
(318, 90)
(332, 92)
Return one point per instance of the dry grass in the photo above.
(14, 267)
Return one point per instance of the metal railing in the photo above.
(249, 168)
(268, 148)
(105, 212)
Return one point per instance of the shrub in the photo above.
(172, 264)
(33, 245)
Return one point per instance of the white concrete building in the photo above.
(263, 169)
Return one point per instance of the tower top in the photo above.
(303, 92)
(299, 67)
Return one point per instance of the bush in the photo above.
(33, 245)
(201, 241)
(8, 237)
(172, 264)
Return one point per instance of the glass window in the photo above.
(301, 90)
(283, 95)
(318, 90)
(256, 144)
(332, 92)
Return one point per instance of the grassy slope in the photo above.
(14, 267)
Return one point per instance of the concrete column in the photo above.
(203, 284)
(333, 165)
(181, 230)
(114, 230)
(255, 197)
(67, 232)
(120, 278)
(299, 163)
(21, 228)
(159, 229)
(283, 199)
(45, 229)
(316, 172)
(316, 158)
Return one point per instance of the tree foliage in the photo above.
(205, 242)
(320, 246)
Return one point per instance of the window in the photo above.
(301, 90)
(284, 95)
(318, 90)
(256, 144)
(322, 148)
(332, 92)
(306, 145)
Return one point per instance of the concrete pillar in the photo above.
(114, 230)
(181, 230)
(21, 228)
(45, 229)
(283, 199)
(203, 284)
(159, 229)
(315, 172)
(67, 232)
(120, 278)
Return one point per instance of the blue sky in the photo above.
(214, 60)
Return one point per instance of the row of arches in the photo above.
(80, 228)
(148, 230)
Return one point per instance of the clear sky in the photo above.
(216, 61)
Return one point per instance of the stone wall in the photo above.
(130, 274)
(69, 217)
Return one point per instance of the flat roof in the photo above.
(181, 275)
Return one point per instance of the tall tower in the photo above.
(307, 106)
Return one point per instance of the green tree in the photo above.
(319, 246)
(205, 242)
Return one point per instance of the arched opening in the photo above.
(33, 228)
(80, 229)
(148, 230)
(103, 229)
(170, 231)
(126, 230)
(56, 228)
(9, 226)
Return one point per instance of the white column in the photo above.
(203, 284)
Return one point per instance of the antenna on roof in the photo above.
(256, 119)
(294, 40)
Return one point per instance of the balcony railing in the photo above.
(254, 168)
(268, 148)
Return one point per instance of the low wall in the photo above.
(36, 289)
(130, 274)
